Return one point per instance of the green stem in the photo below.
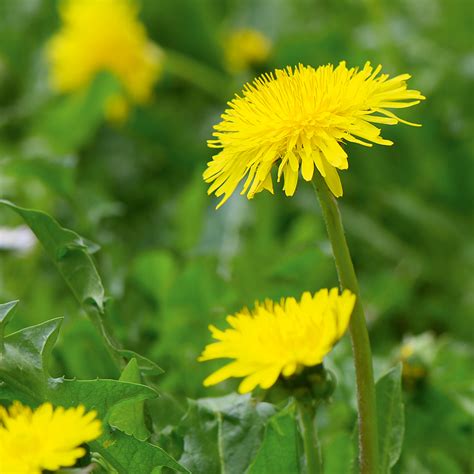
(312, 450)
(213, 82)
(368, 441)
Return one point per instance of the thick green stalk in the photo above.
(312, 451)
(368, 440)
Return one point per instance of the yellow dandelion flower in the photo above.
(44, 439)
(300, 118)
(244, 48)
(99, 36)
(279, 338)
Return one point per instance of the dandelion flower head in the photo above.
(279, 338)
(44, 439)
(244, 48)
(300, 118)
(103, 35)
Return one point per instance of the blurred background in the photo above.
(172, 264)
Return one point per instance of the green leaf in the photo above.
(6, 313)
(390, 417)
(338, 455)
(24, 358)
(127, 454)
(128, 416)
(57, 174)
(69, 252)
(147, 367)
(72, 255)
(72, 120)
(223, 434)
(155, 272)
(24, 376)
(278, 453)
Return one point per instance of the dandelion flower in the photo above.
(44, 439)
(279, 338)
(100, 36)
(300, 119)
(244, 48)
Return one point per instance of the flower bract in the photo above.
(299, 119)
(103, 35)
(44, 439)
(279, 338)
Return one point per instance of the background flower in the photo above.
(99, 36)
(244, 48)
(279, 338)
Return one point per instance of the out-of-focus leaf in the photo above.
(372, 233)
(69, 252)
(189, 215)
(57, 174)
(73, 119)
(390, 418)
(278, 453)
(154, 271)
(72, 256)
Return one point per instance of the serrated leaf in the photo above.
(123, 452)
(278, 453)
(24, 376)
(223, 434)
(128, 416)
(99, 395)
(127, 454)
(24, 358)
(71, 254)
(68, 251)
(390, 418)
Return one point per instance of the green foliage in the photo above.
(69, 252)
(24, 360)
(390, 418)
(279, 452)
(170, 264)
(72, 120)
(222, 434)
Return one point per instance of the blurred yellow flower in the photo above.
(300, 118)
(279, 338)
(244, 48)
(43, 439)
(103, 35)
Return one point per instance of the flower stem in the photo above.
(312, 450)
(368, 441)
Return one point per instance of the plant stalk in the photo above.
(367, 419)
(312, 450)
